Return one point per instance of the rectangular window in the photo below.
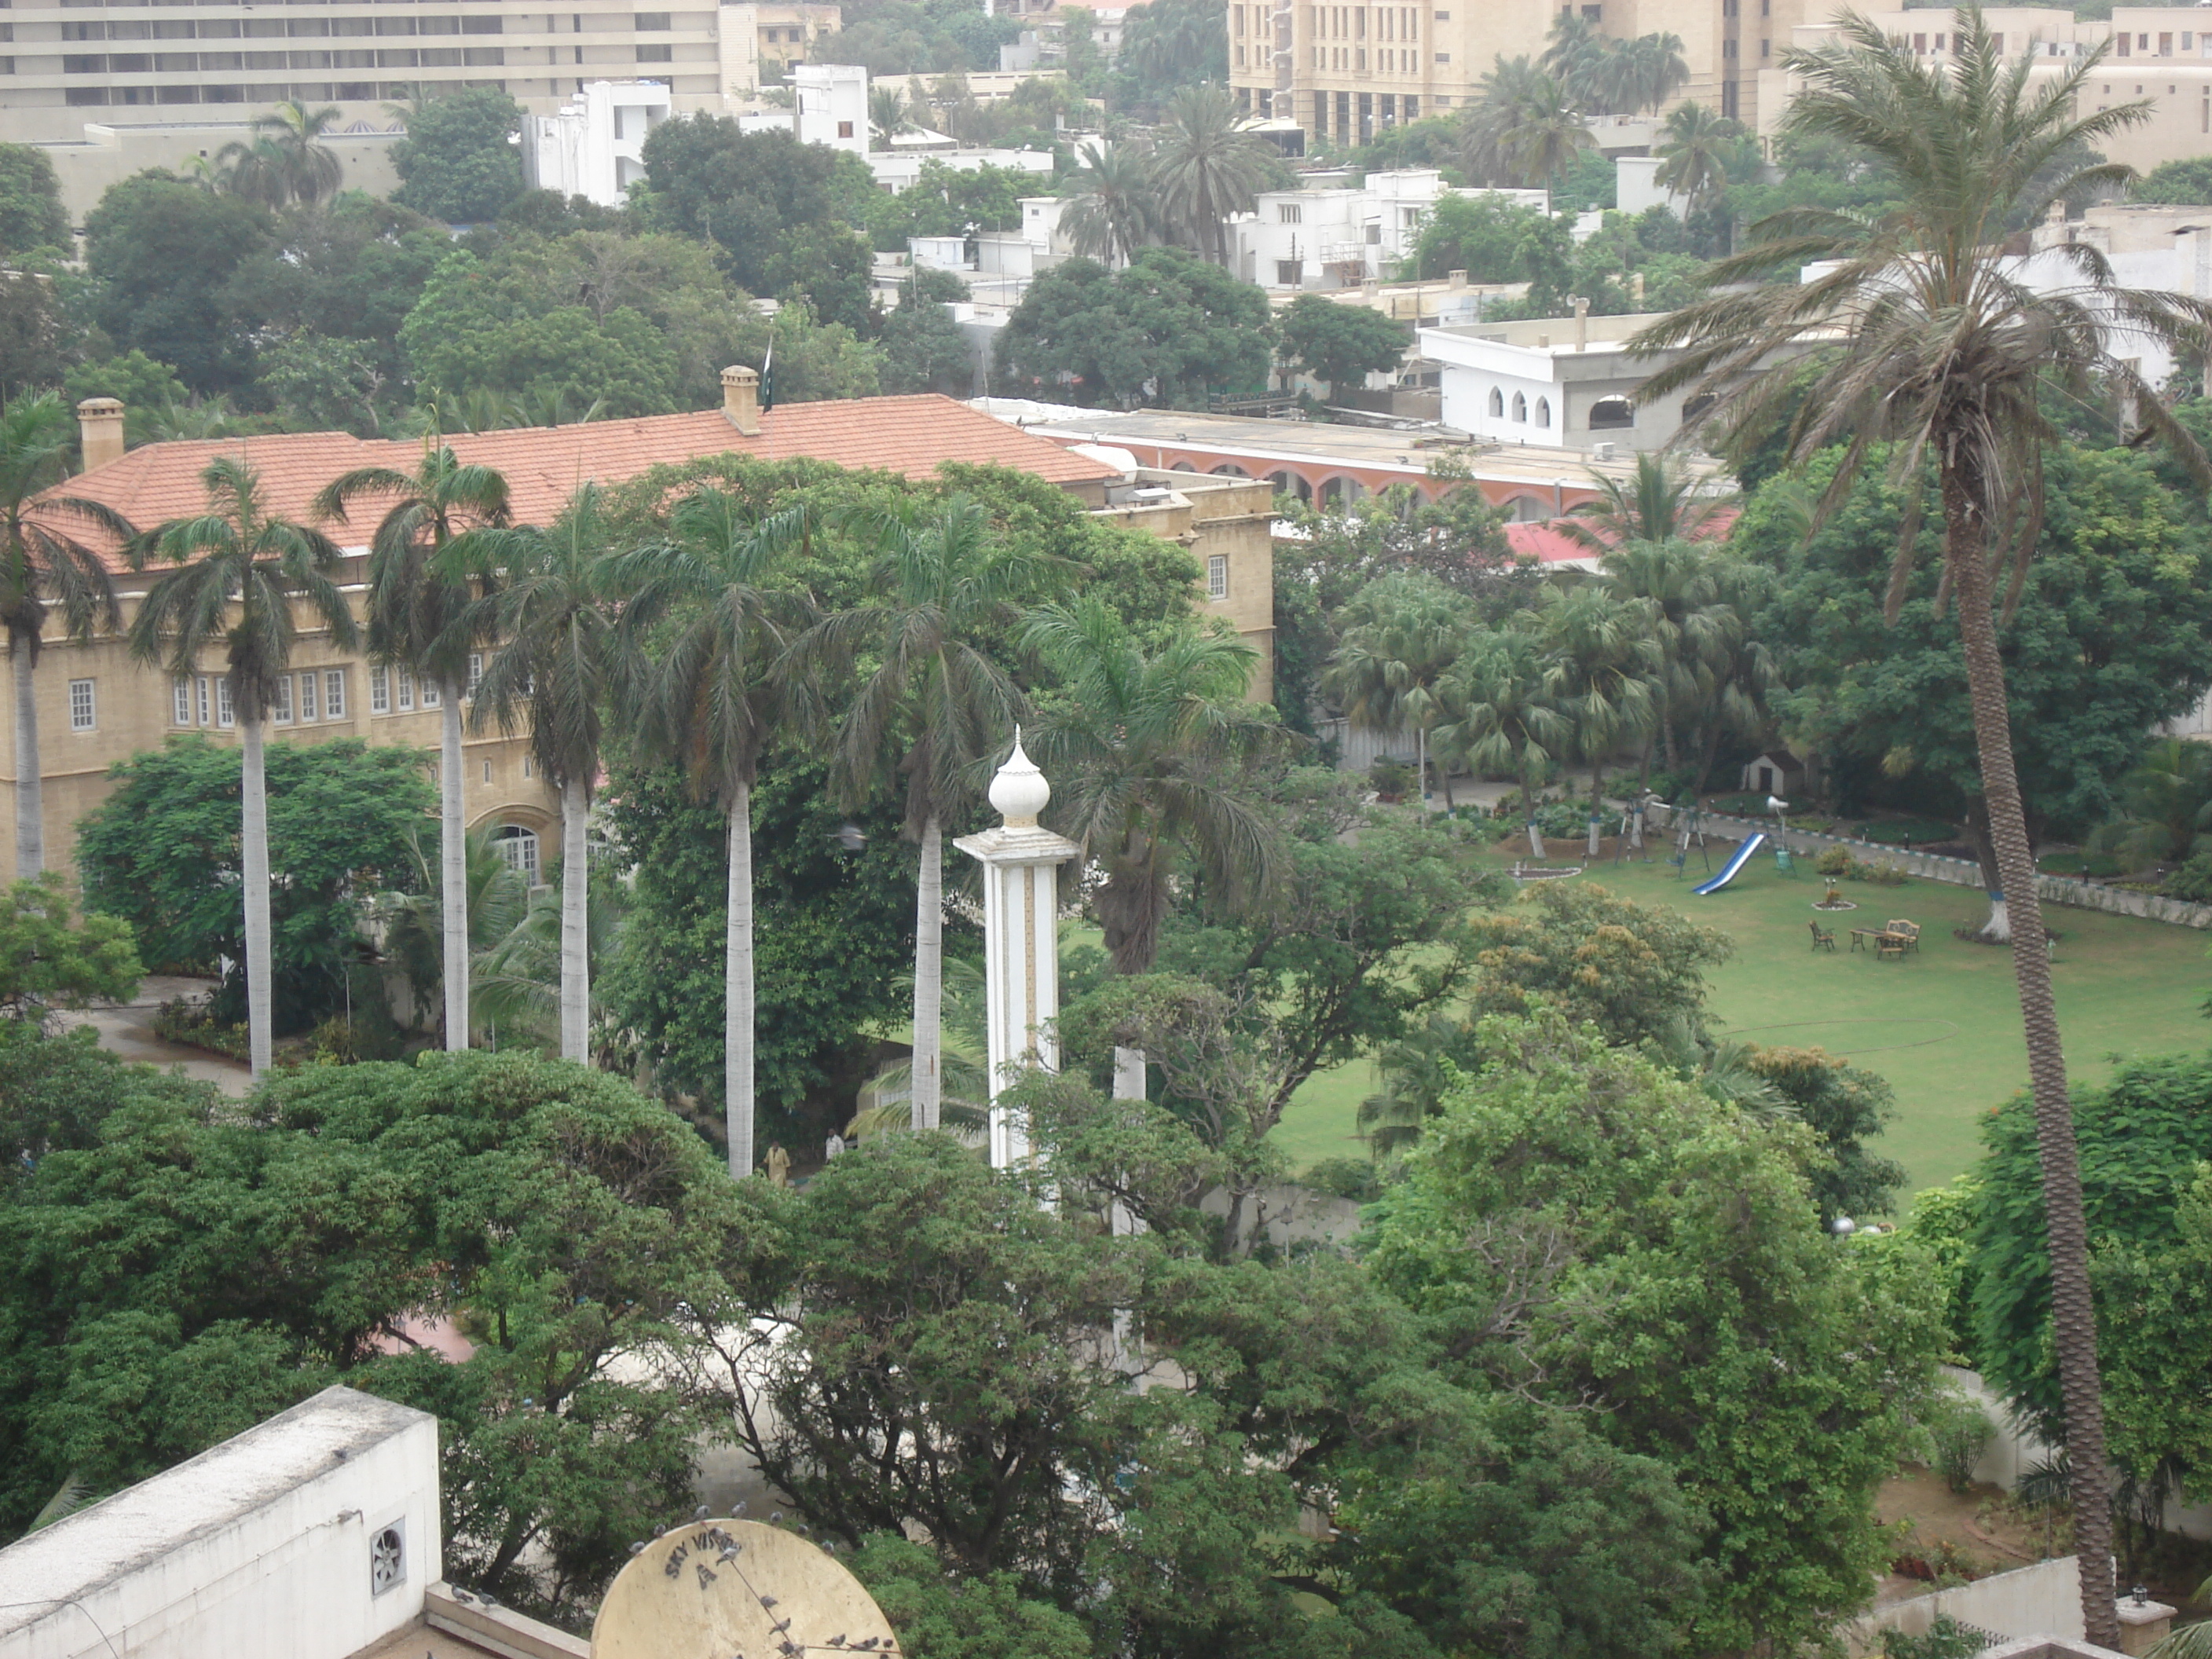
(487, 766)
(306, 698)
(180, 703)
(844, 129)
(431, 695)
(528, 768)
(203, 683)
(1216, 575)
(2166, 46)
(476, 671)
(406, 689)
(224, 715)
(1443, 58)
(279, 707)
(1289, 213)
(659, 55)
(334, 707)
(652, 22)
(1289, 273)
(2126, 41)
(81, 706)
(380, 691)
(1766, 48)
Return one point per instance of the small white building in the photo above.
(595, 146)
(829, 106)
(1562, 381)
(1334, 234)
(897, 169)
(1637, 189)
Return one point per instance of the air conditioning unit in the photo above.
(1604, 452)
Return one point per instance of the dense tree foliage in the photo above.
(1166, 329)
(32, 218)
(161, 255)
(2107, 641)
(459, 161)
(1588, 1231)
(46, 962)
(1340, 345)
(161, 852)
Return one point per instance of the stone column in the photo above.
(1021, 940)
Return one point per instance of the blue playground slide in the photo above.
(1741, 857)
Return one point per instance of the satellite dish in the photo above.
(736, 1590)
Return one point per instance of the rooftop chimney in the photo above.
(741, 399)
(100, 431)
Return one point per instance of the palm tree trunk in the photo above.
(2073, 1313)
(453, 868)
(738, 987)
(575, 952)
(30, 784)
(254, 857)
(1529, 808)
(1421, 746)
(929, 976)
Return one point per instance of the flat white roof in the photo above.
(119, 1535)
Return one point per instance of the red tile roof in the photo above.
(1546, 541)
(543, 465)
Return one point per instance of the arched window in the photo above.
(1339, 491)
(1496, 403)
(1543, 411)
(1521, 408)
(1182, 466)
(519, 846)
(1526, 509)
(1288, 482)
(1611, 414)
(1230, 470)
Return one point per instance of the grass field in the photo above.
(1943, 1026)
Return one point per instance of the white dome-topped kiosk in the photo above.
(1021, 862)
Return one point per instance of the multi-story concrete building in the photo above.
(1344, 72)
(118, 61)
(1335, 233)
(2159, 55)
(595, 147)
(760, 42)
(96, 705)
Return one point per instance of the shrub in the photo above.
(1564, 820)
(1881, 875)
(1353, 1178)
(2192, 882)
(1946, 1639)
(1959, 1433)
(1391, 777)
(1835, 861)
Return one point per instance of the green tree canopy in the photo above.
(458, 161)
(1340, 345)
(47, 963)
(2186, 180)
(161, 853)
(1686, 1289)
(1165, 329)
(32, 217)
(161, 254)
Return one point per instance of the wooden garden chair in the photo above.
(1823, 939)
(1908, 931)
(1887, 944)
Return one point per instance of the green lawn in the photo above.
(1943, 1026)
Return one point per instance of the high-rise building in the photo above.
(222, 61)
(1344, 72)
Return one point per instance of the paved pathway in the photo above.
(128, 1029)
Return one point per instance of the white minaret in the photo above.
(1021, 865)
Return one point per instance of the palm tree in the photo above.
(1660, 502)
(1604, 669)
(1206, 165)
(44, 567)
(1113, 209)
(1675, 584)
(307, 169)
(929, 707)
(241, 574)
(1495, 112)
(556, 671)
(888, 116)
(1693, 160)
(1944, 357)
(1399, 634)
(1744, 675)
(1580, 58)
(710, 705)
(415, 941)
(1148, 752)
(1654, 67)
(1505, 716)
(1547, 135)
(418, 591)
(2167, 806)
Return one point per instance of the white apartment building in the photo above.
(829, 106)
(1334, 235)
(595, 146)
(121, 62)
(896, 170)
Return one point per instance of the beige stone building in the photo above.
(2159, 55)
(1347, 71)
(760, 42)
(97, 707)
